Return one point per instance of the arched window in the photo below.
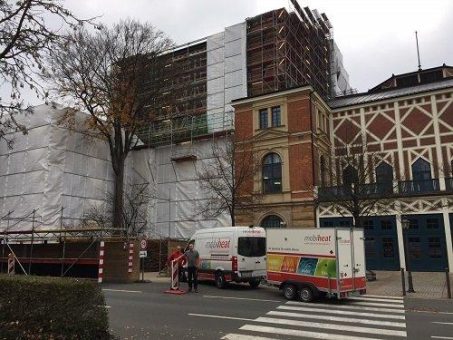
(421, 170)
(421, 176)
(272, 174)
(384, 177)
(350, 175)
(272, 221)
(323, 169)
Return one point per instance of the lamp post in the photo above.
(406, 225)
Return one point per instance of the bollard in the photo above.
(403, 282)
(447, 276)
(410, 288)
(11, 264)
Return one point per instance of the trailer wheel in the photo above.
(306, 294)
(254, 283)
(220, 280)
(289, 291)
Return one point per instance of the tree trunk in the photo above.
(118, 203)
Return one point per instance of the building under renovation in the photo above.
(53, 176)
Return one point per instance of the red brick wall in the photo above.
(299, 115)
(243, 123)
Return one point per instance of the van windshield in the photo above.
(252, 246)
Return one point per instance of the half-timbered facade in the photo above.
(406, 124)
(403, 128)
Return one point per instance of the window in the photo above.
(413, 224)
(350, 175)
(421, 170)
(432, 223)
(272, 221)
(384, 177)
(272, 174)
(387, 247)
(386, 225)
(322, 166)
(414, 248)
(434, 249)
(276, 116)
(252, 246)
(370, 247)
(263, 119)
(368, 224)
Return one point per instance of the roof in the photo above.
(367, 97)
(379, 87)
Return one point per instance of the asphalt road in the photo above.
(143, 311)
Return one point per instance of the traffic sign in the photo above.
(143, 253)
(143, 244)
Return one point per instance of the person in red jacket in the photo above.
(181, 260)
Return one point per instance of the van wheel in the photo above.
(220, 280)
(289, 291)
(306, 294)
(254, 283)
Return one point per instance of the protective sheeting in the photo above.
(64, 173)
(226, 74)
(179, 198)
(339, 76)
(58, 172)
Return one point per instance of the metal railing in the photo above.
(449, 184)
(186, 128)
(376, 190)
(427, 186)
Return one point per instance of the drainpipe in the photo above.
(312, 151)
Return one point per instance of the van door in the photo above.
(251, 254)
(359, 258)
(345, 260)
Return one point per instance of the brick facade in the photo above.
(299, 145)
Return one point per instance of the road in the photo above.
(143, 311)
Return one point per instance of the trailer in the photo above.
(308, 263)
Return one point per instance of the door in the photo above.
(381, 240)
(381, 243)
(345, 257)
(251, 253)
(425, 243)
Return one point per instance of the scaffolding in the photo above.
(63, 247)
(177, 83)
(286, 50)
(186, 128)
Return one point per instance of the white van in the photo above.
(231, 254)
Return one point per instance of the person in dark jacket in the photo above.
(193, 261)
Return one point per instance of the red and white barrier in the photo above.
(174, 278)
(131, 258)
(101, 262)
(11, 264)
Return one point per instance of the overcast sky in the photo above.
(376, 37)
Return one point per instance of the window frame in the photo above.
(270, 166)
(263, 118)
(276, 114)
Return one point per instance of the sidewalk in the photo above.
(155, 277)
(426, 285)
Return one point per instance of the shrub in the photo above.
(51, 308)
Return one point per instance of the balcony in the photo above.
(369, 190)
(327, 194)
(417, 187)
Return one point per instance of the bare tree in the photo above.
(26, 35)
(356, 191)
(227, 177)
(105, 73)
(137, 198)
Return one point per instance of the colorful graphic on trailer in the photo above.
(324, 267)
